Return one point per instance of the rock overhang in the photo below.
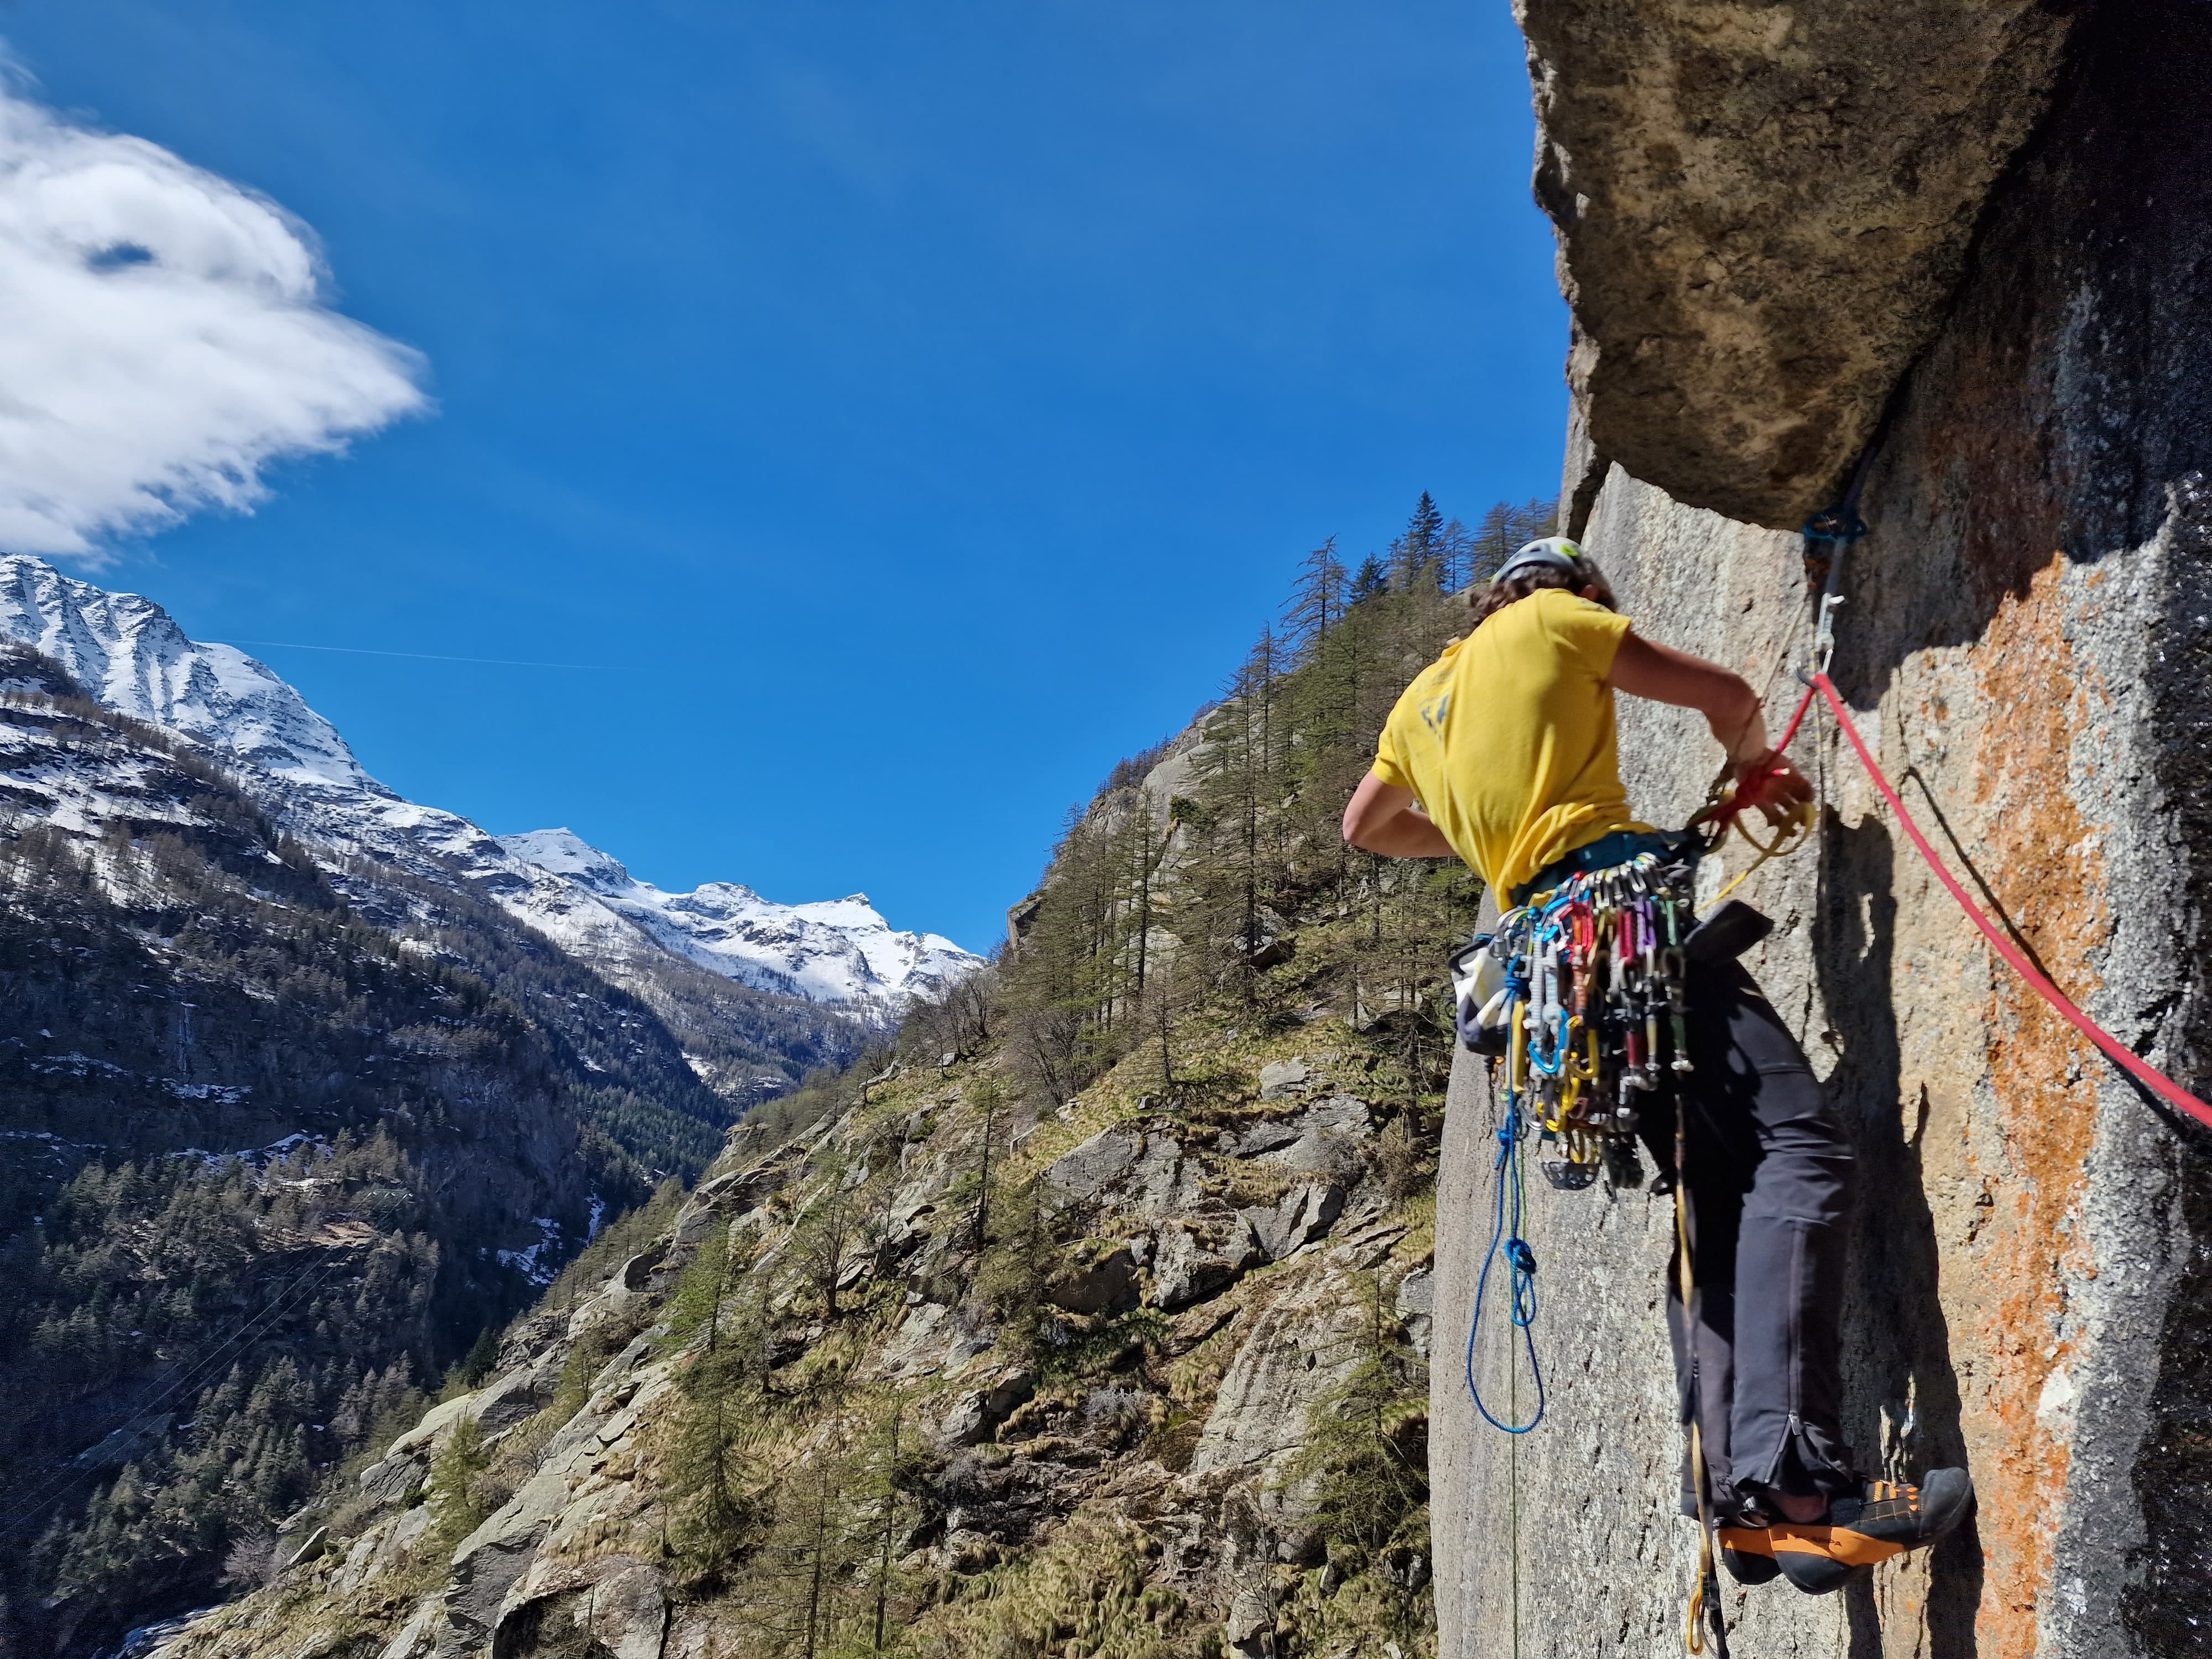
(1763, 211)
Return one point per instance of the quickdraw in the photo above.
(1582, 992)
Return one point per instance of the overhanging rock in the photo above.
(1762, 211)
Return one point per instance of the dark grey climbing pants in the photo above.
(1770, 1168)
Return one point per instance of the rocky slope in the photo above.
(1093, 1434)
(2025, 642)
(304, 1084)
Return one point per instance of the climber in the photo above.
(1503, 753)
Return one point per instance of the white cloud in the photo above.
(164, 335)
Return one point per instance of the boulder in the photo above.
(1319, 1138)
(1189, 1269)
(742, 1189)
(1127, 1169)
(1257, 1140)
(318, 1541)
(1099, 1165)
(1416, 1308)
(489, 1560)
(917, 1346)
(615, 1608)
(382, 1547)
(1250, 1626)
(611, 1375)
(977, 1412)
(1293, 1355)
(695, 1223)
(1281, 1078)
(436, 1424)
(418, 1638)
(505, 1400)
(1304, 1214)
(637, 1271)
(607, 1304)
(1105, 1284)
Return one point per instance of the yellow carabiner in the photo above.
(1516, 1061)
(1786, 840)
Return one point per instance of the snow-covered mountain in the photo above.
(129, 654)
(835, 950)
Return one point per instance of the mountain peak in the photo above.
(565, 852)
(129, 653)
(828, 951)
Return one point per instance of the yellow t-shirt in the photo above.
(1508, 739)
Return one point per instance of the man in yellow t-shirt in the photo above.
(1503, 749)
(1504, 752)
(1508, 738)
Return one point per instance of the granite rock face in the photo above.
(1762, 211)
(2026, 643)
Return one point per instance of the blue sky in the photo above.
(901, 412)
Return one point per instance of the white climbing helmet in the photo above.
(1556, 551)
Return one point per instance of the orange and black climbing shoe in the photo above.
(1748, 1554)
(1883, 1520)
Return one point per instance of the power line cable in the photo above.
(286, 1298)
(418, 656)
(67, 1477)
(293, 1290)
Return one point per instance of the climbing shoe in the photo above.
(1881, 1520)
(1748, 1554)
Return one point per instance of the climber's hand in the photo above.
(1770, 784)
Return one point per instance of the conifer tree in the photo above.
(1317, 602)
(1418, 556)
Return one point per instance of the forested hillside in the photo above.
(269, 1168)
(1165, 898)
(1091, 1320)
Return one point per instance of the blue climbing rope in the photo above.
(1521, 1264)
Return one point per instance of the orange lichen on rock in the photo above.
(2040, 856)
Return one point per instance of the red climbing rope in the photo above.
(2167, 1089)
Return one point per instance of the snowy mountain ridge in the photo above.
(130, 655)
(830, 950)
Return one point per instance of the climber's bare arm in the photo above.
(1384, 818)
(1643, 669)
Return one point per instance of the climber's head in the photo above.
(1553, 561)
